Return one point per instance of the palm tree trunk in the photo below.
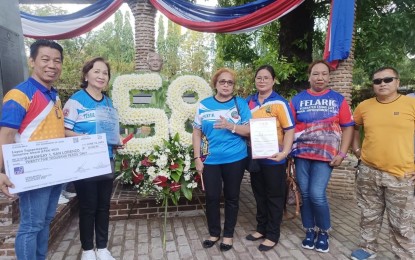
(144, 14)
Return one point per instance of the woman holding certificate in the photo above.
(223, 119)
(323, 133)
(269, 183)
(94, 194)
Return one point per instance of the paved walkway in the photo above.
(142, 239)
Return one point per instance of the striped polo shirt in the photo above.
(34, 110)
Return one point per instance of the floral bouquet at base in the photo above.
(166, 172)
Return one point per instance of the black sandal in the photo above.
(209, 243)
(225, 247)
(250, 237)
(265, 248)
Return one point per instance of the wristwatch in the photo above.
(234, 128)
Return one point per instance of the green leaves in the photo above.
(187, 193)
(167, 171)
(384, 30)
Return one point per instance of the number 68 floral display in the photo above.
(159, 165)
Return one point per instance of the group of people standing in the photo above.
(32, 111)
(316, 128)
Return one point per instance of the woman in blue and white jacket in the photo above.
(94, 194)
(223, 119)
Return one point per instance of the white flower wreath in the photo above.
(139, 116)
(181, 110)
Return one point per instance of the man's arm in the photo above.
(356, 141)
(7, 136)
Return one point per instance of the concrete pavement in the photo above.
(141, 239)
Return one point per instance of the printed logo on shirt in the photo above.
(207, 115)
(396, 113)
(66, 112)
(235, 115)
(89, 115)
(318, 105)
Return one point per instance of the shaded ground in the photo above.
(142, 239)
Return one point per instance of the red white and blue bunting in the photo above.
(71, 25)
(238, 19)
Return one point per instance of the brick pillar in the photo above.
(342, 182)
(341, 80)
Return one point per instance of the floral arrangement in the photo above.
(139, 116)
(167, 172)
(160, 165)
(183, 111)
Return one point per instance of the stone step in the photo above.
(64, 212)
(124, 204)
(9, 210)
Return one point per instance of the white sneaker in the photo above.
(104, 254)
(88, 255)
(62, 200)
(68, 194)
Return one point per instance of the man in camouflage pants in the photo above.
(386, 172)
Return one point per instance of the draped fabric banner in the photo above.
(340, 31)
(237, 19)
(240, 19)
(68, 26)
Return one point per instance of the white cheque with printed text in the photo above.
(39, 164)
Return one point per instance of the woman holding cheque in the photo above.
(223, 120)
(269, 184)
(81, 117)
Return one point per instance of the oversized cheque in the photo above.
(34, 165)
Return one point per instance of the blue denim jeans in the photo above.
(313, 177)
(37, 209)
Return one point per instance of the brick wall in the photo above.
(9, 229)
(9, 211)
(341, 79)
(125, 203)
(342, 182)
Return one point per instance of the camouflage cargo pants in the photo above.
(378, 191)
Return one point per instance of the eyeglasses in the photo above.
(262, 79)
(386, 80)
(229, 82)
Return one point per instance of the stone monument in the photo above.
(154, 61)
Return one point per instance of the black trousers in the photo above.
(269, 187)
(231, 175)
(94, 211)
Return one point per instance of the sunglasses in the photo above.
(386, 80)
